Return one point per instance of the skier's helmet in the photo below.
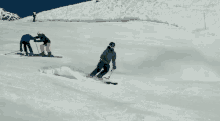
(39, 33)
(112, 44)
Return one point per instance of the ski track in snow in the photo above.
(161, 78)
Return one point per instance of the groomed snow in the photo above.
(188, 14)
(164, 74)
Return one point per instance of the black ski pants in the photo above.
(99, 67)
(29, 46)
(33, 18)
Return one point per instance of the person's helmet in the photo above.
(39, 33)
(112, 44)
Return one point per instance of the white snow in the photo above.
(164, 73)
(189, 14)
(162, 77)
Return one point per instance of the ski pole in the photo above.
(12, 52)
(37, 47)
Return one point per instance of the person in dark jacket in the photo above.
(108, 55)
(46, 43)
(34, 15)
(25, 40)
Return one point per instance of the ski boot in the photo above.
(31, 54)
(50, 55)
(42, 54)
(89, 76)
(26, 53)
(99, 77)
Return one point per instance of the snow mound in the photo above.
(78, 78)
(63, 71)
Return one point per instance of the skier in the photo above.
(46, 44)
(34, 15)
(108, 55)
(25, 39)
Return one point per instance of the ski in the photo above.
(37, 55)
(106, 82)
(114, 83)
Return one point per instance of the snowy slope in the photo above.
(4, 15)
(188, 14)
(162, 76)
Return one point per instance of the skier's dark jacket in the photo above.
(34, 14)
(43, 38)
(108, 55)
(25, 38)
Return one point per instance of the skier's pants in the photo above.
(48, 49)
(29, 47)
(101, 65)
(34, 19)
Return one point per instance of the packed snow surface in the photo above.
(164, 74)
(190, 14)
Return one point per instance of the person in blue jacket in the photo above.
(108, 55)
(25, 40)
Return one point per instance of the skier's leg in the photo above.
(30, 49)
(25, 49)
(42, 50)
(98, 68)
(48, 49)
(102, 73)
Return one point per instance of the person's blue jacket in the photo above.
(25, 38)
(108, 55)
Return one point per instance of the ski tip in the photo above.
(108, 82)
(115, 83)
(111, 83)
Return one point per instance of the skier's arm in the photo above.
(37, 37)
(113, 61)
(32, 38)
(41, 40)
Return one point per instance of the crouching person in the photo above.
(25, 40)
